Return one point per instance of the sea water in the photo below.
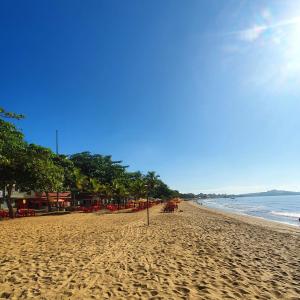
(284, 209)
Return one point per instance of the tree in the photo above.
(32, 167)
(119, 191)
(10, 115)
(68, 167)
(81, 180)
(103, 168)
(151, 180)
(161, 190)
(12, 154)
(107, 192)
(138, 188)
(95, 187)
(25, 166)
(134, 175)
(42, 174)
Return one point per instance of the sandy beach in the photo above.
(195, 253)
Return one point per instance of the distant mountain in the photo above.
(269, 193)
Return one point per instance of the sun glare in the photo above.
(287, 37)
(273, 40)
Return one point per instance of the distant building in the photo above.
(36, 200)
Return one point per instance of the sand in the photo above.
(195, 253)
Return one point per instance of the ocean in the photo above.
(283, 209)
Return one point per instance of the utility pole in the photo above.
(56, 143)
(148, 217)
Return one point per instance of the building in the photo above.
(38, 201)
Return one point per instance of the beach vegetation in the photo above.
(12, 155)
(31, 167)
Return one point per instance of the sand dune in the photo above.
(193, 254)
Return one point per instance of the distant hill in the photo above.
(269, 193)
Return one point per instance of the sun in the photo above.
(274, 40)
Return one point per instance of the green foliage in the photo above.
(98, 166)
(138, 188)
(119, 190)
(10, 115)
(151, 180)
(11, 142)
(80, 181)
(12, 155)
(33, 167)
(71, 174)
(12, 152)
(42, 173)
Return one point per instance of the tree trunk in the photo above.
(57, 203)
(48, 201)
(8, 201)
(74, 199)
(3, 196)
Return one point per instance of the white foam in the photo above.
(286, 214)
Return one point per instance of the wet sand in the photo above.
(195, 253)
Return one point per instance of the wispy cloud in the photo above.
(266, 53)
(251, 34)
(254, 32)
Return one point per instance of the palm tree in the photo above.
(119, 191)
(151, 181)
(107, 192)
(81, 180)
(138, 189)
(94, 186)
(80, 183)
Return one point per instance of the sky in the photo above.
(206, 93)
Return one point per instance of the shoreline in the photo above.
(194, 253)
(251, 220)
(234, 213)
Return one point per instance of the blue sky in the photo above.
(204, 92)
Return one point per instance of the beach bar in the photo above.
(40, 201)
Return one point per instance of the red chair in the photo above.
(4, 214)
(20, 213)
(112, 207)
(96, 207)
(31, 212)
(87, 209)
(170, 207)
